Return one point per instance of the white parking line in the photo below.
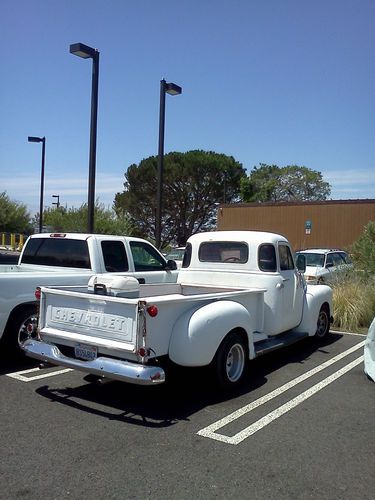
(349, 333)
(20, 375)
(210, 431)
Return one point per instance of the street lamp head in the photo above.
(35, 139)
(82, 50)
(172, 89)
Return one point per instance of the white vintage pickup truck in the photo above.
(238, 295)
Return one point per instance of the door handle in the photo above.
(280, 285)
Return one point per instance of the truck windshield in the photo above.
(57, 252)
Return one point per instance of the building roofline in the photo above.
(297, 203)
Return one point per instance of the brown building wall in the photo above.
(334, 224)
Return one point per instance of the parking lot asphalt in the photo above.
(301, 426)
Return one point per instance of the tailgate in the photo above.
(67, 317)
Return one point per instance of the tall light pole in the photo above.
(43, 141)
(84, 51)
(171, 89)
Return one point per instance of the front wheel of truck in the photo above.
(231, 360)
(22, 325)
(323, 323)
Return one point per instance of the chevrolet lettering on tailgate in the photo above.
(93, 319)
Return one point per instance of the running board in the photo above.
(282, 340)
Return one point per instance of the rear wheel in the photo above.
(22, 325)
(231, 360)
(322, 326)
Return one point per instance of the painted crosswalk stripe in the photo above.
(211, 430)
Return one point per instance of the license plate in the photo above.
(86, 352)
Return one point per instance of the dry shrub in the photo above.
(353, 302)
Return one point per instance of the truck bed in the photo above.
(160, 290)
(121, 337)
(71, 314)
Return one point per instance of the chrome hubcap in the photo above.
(28, 329)
(235, 362)
(322, 324)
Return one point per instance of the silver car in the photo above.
(323, 265)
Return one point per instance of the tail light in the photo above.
(57, 235)
(152, 311)
(142, 352)
(37, 293)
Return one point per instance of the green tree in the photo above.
(14, 217)
(74, 220)
(290, 183)
(193, 184)
(363, 250)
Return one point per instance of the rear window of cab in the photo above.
(224, 251)
(57, 252)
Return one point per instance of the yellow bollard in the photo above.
(13, 241)
(21, 241)
(3, 239)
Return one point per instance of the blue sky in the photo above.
(266, 81)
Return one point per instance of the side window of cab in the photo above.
(114, 255)
(285, 258)
(329, 260)
(145, 257)
(187, 256)
(267, 258)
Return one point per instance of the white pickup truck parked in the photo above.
(61, 259)
(238, 296)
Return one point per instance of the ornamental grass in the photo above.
(353, 302)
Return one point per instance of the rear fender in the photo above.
(198, 333)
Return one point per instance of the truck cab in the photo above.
(250, 259)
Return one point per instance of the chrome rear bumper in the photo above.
(103, 367)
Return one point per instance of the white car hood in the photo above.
(314, 271)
